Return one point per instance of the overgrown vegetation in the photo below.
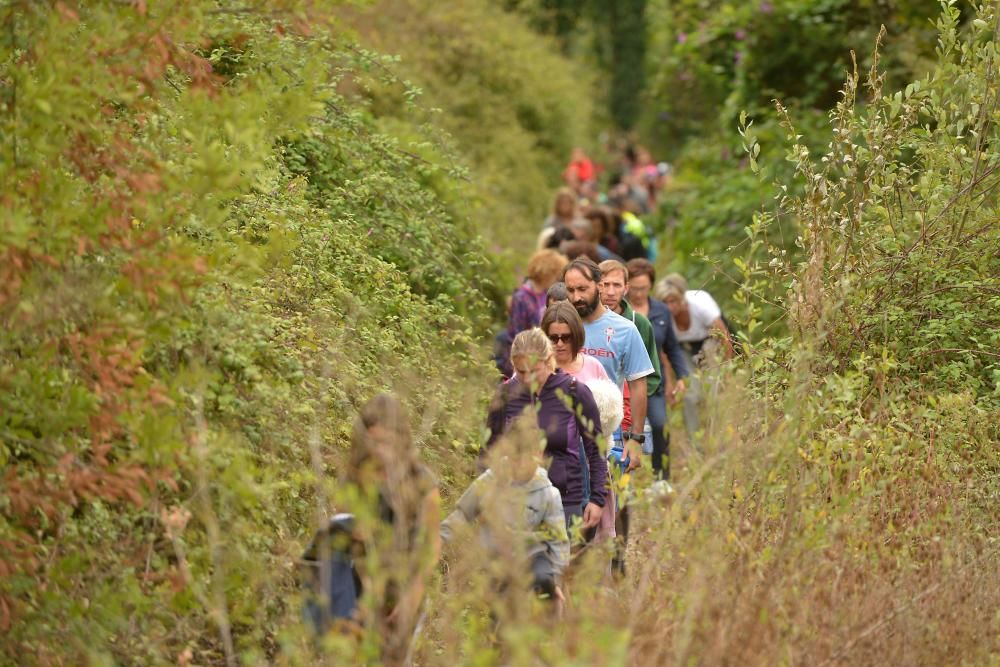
(497, 93)
(210, 257)
(710, 62)
(223, 230)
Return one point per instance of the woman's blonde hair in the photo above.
(545, 267)
(673, 284)
(533, 344)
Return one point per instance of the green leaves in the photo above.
(190, 295)
(750, 144)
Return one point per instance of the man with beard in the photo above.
(615, 342)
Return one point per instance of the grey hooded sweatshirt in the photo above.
(538, 516)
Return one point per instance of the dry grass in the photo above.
(753, 562)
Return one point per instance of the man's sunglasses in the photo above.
(561, 338)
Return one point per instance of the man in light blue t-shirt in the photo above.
(614, 341)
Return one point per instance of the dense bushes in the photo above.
(495, 90)
(209, 259)
(899, 221)
(710, 62)
(222, 230)
(860, 527)
(714, 61)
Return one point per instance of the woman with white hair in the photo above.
(700, 330)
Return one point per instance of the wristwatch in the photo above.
(638, 437)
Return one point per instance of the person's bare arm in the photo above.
(675, 386)
(726, 338)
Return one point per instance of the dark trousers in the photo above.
(656, 412)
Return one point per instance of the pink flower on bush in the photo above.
(740, 34)
(682, 37)
(766, 7)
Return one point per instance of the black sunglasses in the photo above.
(561, 338)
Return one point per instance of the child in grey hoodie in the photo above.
(515, 496)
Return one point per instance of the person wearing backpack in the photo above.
(577, 468)
(528, 303)
(519, 513)
(395, 524)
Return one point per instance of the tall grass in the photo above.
(843, 508)
(192, 314)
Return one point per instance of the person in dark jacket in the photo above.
(527, 303)
(641, 276)
(577, 469)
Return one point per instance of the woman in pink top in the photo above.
(562, 324)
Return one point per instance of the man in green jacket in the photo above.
(614, 287)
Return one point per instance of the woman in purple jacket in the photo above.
(581, 477)
(528, 303)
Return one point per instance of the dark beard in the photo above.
(585, 309)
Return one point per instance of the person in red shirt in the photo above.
(580, 170)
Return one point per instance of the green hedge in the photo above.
(210, 259)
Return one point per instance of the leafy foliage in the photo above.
(899, 221)
(608, 38)
(730, 56)
(712, 62)
(187, 303)
(492, 86)
(224, 229)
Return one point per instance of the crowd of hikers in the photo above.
(595, 352)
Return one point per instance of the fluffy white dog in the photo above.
(609, 401)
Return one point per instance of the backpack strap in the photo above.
(584, 464)
(576, 402)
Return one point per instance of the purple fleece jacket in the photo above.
(563, 433)
(526, 308)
